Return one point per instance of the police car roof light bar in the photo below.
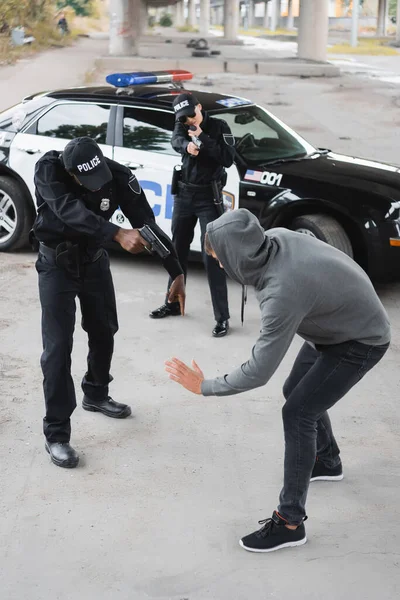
(147, 78)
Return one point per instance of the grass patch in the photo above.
(258, 32)
(45, 36)
(255, 32)
(187, 28)
(366, 46)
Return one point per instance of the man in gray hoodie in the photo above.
(307, 287)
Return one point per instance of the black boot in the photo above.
(62, 454)
(108, 407)
(220, 329)
(166, 310)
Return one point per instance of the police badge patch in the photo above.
(105, 204)
(134, 184)
(229, 139)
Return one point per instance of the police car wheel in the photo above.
(15, 215)
(324, 228)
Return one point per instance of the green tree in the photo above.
(81, 7)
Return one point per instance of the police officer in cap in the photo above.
(206, 145)
(77, 192)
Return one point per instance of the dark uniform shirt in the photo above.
(70, 212)
(217, 151)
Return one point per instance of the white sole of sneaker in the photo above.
(327, 478)
(287, 545)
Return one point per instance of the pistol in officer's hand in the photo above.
(192, 149)
(131, 241)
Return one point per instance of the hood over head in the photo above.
(241, 245)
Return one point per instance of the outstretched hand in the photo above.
(191, 379)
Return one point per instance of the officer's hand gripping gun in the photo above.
(156, 244)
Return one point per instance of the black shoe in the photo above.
(62, 454)
(220, 329)
(324, 473)
(108, 407)
(274, 536)
(166, 310)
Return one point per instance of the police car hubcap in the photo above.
(8, 217)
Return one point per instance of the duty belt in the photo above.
(191, 187)
(51, 253)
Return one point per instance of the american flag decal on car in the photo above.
(253, 175)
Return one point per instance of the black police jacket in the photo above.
(70, 212)
(217, 151)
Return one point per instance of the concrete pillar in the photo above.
(179, 18)
(143, 18)
(191, 13)
(123, 41)
(231, 19)
(313, 29)
(204, 17)
(381, 25)
(265, 22)
(274, 14)
(250, 15)
(398, 24)
(290, 18)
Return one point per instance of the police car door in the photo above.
(53, 130)
(143, 143)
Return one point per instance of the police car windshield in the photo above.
(261, 137)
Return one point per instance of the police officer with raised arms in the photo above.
(207, 147)
(77, 192)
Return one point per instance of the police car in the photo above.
(350, 203)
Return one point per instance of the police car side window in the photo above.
(68, 121)
(147, 129)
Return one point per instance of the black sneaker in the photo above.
(274, 536)
(323, 473)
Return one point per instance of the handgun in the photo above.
(156, 244)
(198, 143)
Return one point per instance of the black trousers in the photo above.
(319, 378)
(190, 207)
(58, 291)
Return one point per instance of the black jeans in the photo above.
(319, 378)
(58, 290)
(188, 208)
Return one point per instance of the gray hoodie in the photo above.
(303, 286)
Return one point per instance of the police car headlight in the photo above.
(228, 200)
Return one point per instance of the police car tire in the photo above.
(19, 239)
(325, 228)
(200, 53)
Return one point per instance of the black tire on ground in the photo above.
(324, 228)
(215, 52)
(200, 53)
(191, 43)
(201, 44)
(19, 211)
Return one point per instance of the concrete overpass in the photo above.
(128, 21)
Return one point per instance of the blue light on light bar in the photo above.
(147, 78)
